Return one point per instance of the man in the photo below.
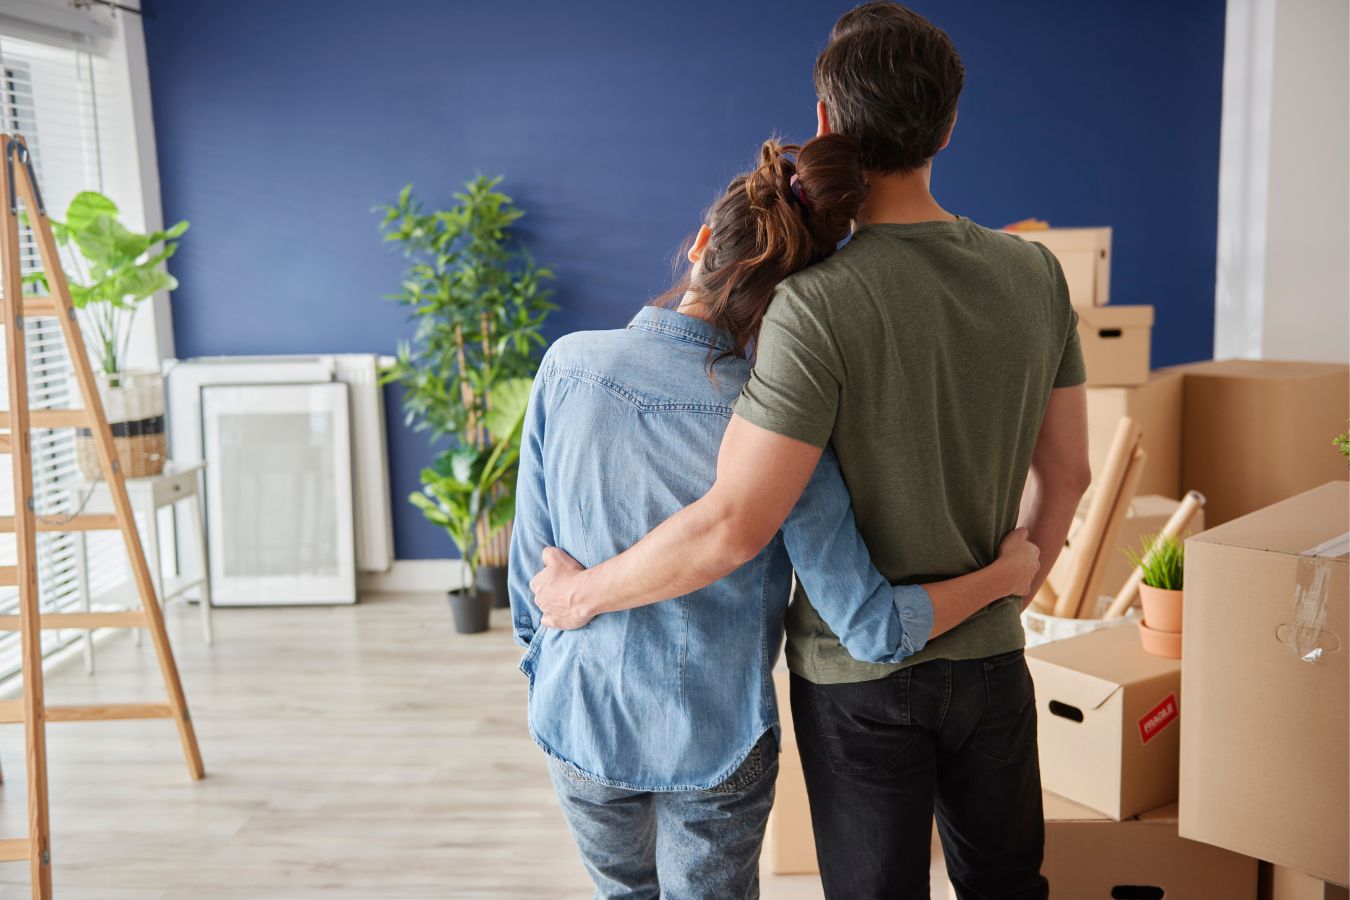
(941, 361)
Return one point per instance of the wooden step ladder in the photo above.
(19, 185)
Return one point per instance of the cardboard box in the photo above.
(1282, 883)
(1107, 716)
(1264, 750)
(1115, 343)
(1088, 856)
(1257, 431)
(1156, 406)
(1147, 516)
(1085, 256)
(789, 842)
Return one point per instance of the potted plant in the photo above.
(479, 305)
(1342, 443)
(112, 270)
(466, 492)
(1163, 560)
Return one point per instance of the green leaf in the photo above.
(86, 207)
(509, 401)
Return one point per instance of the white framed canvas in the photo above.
(184, 380)
(279, 494)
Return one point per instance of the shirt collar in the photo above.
(686, 328)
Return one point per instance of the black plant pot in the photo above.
(492, 581)
(470, 608)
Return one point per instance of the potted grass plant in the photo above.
(1163, 561)
(112, 270)
(479, 304)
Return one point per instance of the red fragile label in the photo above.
(1158, 718)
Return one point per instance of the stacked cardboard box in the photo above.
(1115, 342)
(1156, 405)
(1107, 721)
(1267, 681)
(788, 841)
(1089, 855)
(1282, 883)
(1259, 431)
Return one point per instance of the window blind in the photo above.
(50, 95)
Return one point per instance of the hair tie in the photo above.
(795, 184)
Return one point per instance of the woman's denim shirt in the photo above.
(622, 431)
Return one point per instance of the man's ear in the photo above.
(950, 128)
(700, 244)
(822, 119)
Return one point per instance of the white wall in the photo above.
(1284, 213)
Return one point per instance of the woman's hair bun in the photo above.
(791, 210)
(830, 185)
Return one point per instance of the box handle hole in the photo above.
(1109, 333)
(1065, 711)
(1137, 892)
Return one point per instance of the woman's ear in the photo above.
(700, 244)
(822, 119)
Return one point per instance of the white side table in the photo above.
(177, 483)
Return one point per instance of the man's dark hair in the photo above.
(890, 80)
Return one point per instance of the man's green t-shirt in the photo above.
(926, 354)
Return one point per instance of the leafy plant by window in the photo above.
(112, 270)
(1165, 567)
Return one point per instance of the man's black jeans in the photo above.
(953, 737)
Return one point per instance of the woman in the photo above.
(660, 722)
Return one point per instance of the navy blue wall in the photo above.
(280, 125)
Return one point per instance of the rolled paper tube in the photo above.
(1190, 505)
(1087, 540)
(1087, 602)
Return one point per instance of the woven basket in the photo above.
(134, 404)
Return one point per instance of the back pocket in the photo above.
(864, 728)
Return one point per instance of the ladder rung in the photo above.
(130, 618)
(95, 522)
(13, 849)
(41, 306)
(51, 418)
(11, 711)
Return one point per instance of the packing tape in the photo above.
(1305, 636)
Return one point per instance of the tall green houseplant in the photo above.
(479, 303)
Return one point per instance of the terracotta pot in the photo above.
(1160, 643)
(1162, 609)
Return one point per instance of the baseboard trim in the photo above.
(408, 575)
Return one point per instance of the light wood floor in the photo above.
(352, 753)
